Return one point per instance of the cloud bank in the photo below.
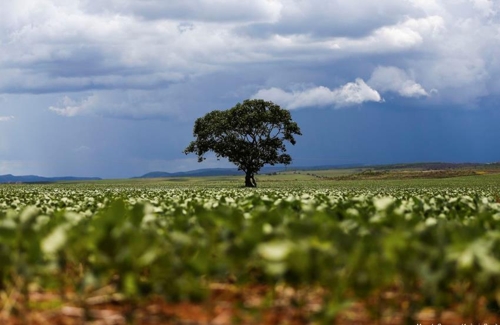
(396, 80)
(109, 48)
(352, 93)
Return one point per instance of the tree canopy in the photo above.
(250, 135)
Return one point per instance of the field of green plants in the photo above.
(323, 252)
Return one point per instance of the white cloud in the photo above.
(486, 7)
(132, 104)
(351, 93)
(396, 80)
(114, 47)
(69, 107)
(403, 36)
(429, 6)
(6, 118)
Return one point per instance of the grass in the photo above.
(404, 175)
(302, 179)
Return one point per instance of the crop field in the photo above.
(205, 251)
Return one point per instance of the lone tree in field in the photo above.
(249, 135)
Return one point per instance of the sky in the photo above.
(111, 88)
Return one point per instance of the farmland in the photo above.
(298, 249)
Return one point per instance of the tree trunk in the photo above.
(253, 181)
(250, 180)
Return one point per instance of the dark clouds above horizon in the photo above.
(111, 88)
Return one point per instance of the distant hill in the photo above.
(426, 166)
(9, 178)
(195, 173)
(271, 169)
(236, 172)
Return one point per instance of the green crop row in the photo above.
(435, 248)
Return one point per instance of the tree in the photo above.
(250, 135)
